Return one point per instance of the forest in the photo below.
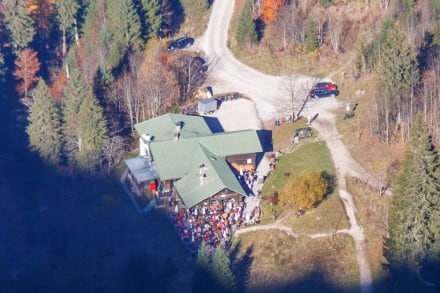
(396, 42)
(77, 75)
(101, 54)
(86, 71)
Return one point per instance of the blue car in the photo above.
(323, 93)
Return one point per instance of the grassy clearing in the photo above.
(312, 157)
(330, 214)
(380, 159)
(373, 216)
(282, 136)
(279, 263)
(272, 60)
(196, 19)
(328, 217)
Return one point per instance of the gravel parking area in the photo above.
(238, 114)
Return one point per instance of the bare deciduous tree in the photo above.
(124, 89)
(112, 153)
(335, 30)
(159, 87)
(190, 75)
(291, 25)
(297, 92)
(384, 4)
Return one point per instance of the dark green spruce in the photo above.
(221, 269)
(19, 23)
(153, 18)
(414, 234)
(92, 134)
(66, 12)
(44, 128)
(246, 31)
(74, 93)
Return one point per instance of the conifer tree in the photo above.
(74, 94)
(125, 25)
(246, 30)
(310, 41)
(151, 9)
(221, 271)
(203, 280)
(398, 73)
(66, 13)
(44, 128)
(19, 23)
(92, 134)
(413, 222)
(398, 63)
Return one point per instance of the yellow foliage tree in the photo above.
(304, 191)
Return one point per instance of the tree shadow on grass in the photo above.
(141, 272)
(313, 282)
(331, 181)
(241, 266)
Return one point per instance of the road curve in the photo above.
(230, 75)
(267, 93)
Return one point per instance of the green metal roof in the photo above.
(162, 128)
(233, 143)
(219, 176)
(174, 157)
(181, 159)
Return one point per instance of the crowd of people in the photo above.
(212, 224)
(248, 178)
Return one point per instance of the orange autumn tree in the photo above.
(41, 12)
(26, 68)
(269, 10)
(59, 81)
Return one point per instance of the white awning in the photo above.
(142, 168)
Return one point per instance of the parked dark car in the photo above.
(324, 89)
(323, 93)
(329, 86)
(201, 63)
(180, 43)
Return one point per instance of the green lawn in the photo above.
(329, 215)
(313, 157)
(282, 136)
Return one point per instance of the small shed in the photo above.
(207, 106)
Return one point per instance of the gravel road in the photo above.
(267, 94)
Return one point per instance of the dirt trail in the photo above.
(345, 165)
(266, 92)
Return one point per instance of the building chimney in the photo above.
(177, 130)
(202, 173)
(144, 145)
